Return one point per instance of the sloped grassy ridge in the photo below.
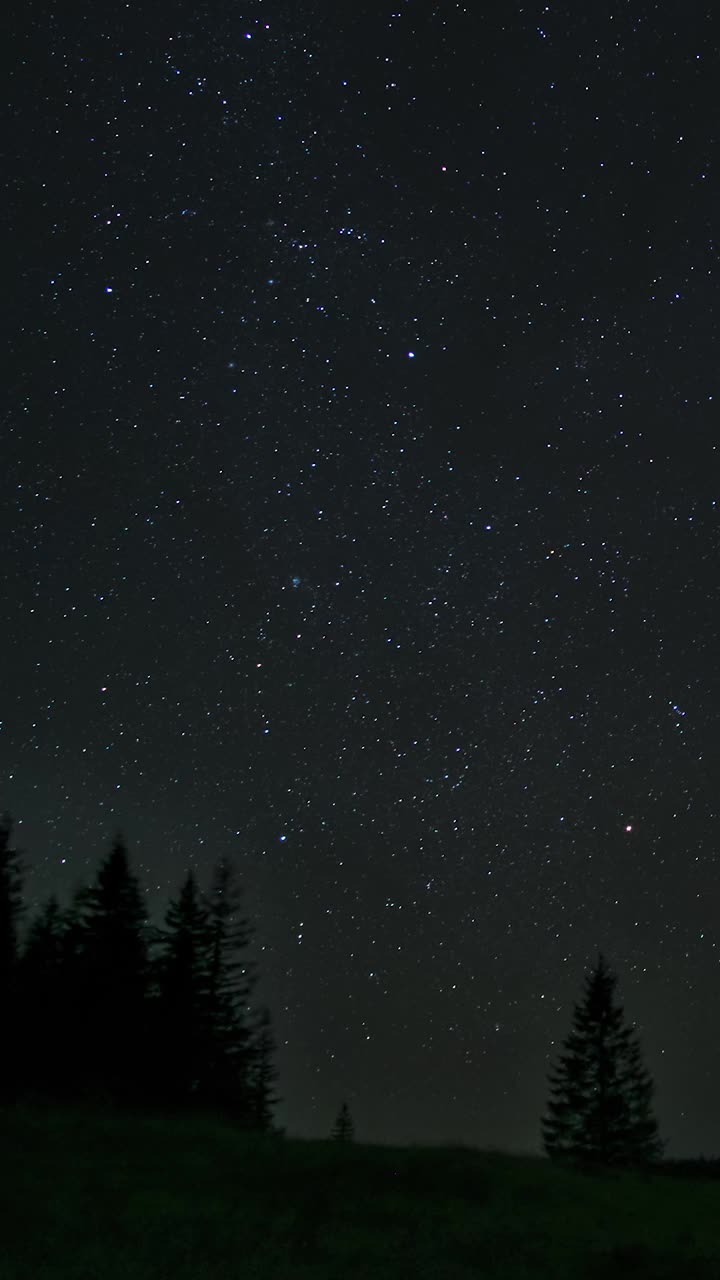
(88, 1195)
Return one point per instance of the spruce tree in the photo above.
(599, 1111)
(11, 911)
(232, 981)
(182, 1048)
(263, 1076)
(113, 972)
(41, 999)
(72, 1063)
(11, 908)
(343, 1129)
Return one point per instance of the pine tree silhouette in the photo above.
(232, 981)
(11, 911)
(344, 1129)
(599, 1112)
(113, 973)
(70, 1066)
(263, 1075)
(182, 1042)
(11, 908)
(41, 1000)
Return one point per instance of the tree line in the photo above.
(96, 1003)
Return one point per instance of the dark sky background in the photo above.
(360, 520)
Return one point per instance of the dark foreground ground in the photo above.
(86, 1195)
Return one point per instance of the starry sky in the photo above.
(360, 520)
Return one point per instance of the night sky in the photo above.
(360, 521)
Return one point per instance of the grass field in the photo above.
(88, 1195)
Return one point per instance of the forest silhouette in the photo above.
(98, 1004)
(137, 1097)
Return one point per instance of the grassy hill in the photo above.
(87, 1195)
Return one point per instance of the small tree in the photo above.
(344, 1129)
(599, 1110)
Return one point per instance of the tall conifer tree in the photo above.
(72, 1065)
(183, 1026)
(113, 974)
(232, 981)
(11, 907)
(263, 1075)
(11, 911)
(42, 997)
(599, 1110)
